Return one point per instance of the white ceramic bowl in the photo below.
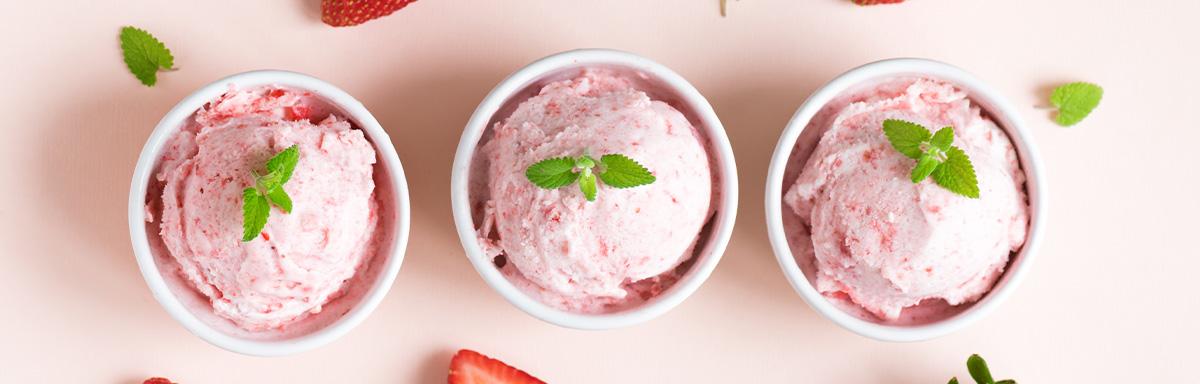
(192, 309)
(939, 321)
(661, 84)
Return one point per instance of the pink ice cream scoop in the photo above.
(886, 243)
(599, 256)
(302, 260)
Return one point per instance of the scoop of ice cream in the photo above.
(887, 243)
(589, 256)
(302, 259)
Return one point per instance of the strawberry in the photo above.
(875, 2)
(345, 13)
(157, 380)
(470, 367)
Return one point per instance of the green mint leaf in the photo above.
(979, 370)
(1010, 381)
(280, 198)
(622, 172)
(268, 181)
(925, 166)
(943, 138)
(254, 213)
(906, 137)
(1075, 101)
(283, 163)
(552, 173)
(957, 174)
(587, 184)
(144, 55)
(953, 380)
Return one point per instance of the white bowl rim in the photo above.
(171, 123)
(476, 126)
(1022, 139)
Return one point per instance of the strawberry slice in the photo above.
(875, 2)
(157, 380)
(470, 367)
(345, 13)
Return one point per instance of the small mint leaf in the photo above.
(552, 173)
(144, 55)
(906, 137)
(587, 184)
(925, 166)
(1009, 381)
(979, 370)
(957, 174)
(943, 138)
(254, 213)
(953, 380)
(1075, 101)
(622, 172)
(280, 198)
(283, 163)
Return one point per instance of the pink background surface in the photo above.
(1110, 299)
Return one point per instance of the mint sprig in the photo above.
(268, 190)
(1075, 101)
(615, 170)
(145, 55)
(935, 155)
(980, 373)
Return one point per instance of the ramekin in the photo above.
(996, 107)
(675, 91)
(339, 316)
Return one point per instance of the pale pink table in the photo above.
(1111, 299)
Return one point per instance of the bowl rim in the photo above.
(144, 171)
(1023, 142)
(725, 217)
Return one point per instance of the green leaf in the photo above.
(943, 138)
(280, 198)
(622, 172)
(144, 55)
(284, 163)
(953, 380)
(957, 174)
(1010, 381)
(979, 370)
(906, 137)
(587, 184)
(254, 213)
(925, 166)
(552, 173)
(1075, 101)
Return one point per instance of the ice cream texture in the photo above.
(302, 260)
(623, 248)
(886, 243)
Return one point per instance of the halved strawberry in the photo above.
(157, 380)
(470, 367)
(345, 13)
(874, 2)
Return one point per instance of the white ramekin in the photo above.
(189, 308)
(675, 91)
(996, 107)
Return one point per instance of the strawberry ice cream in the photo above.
(624, 247)
(885, 243)
(302, 259)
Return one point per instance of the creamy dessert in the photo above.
(625, 246)
(886, 243)
(302, 259)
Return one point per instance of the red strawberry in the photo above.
(470, 367)
(345, 13)
(157, 380)
(875, 2)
